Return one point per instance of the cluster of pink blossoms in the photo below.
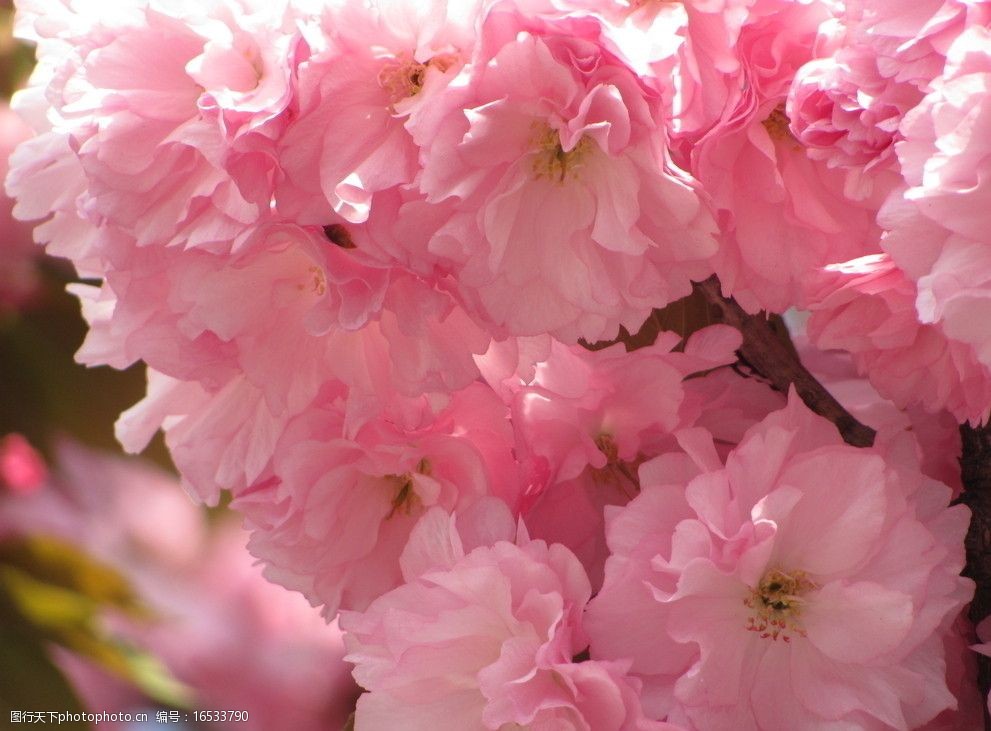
(362, 247)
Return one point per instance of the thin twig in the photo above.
(768, 355)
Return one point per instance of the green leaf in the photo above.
(61, 565)
(44, 605)
(156, 681)
(66, 608)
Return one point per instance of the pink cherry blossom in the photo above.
(732, 133)
(46, 180)
(844, 113)
(375, 66)
(243, 343)
(485, 639)
(938, 226)
(588, 419)
(549, 137)
(961, 679)
(727, 404)
(800, 564)
(935, 441)
(911, 41)
(334, 512)
(202, 86)
(223, 433)
(581, 404)
(868, 309)
(876, 62)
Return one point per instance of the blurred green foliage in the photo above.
(52, 594)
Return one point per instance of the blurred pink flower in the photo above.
(236, 640)
(241, 642)
(21, 467)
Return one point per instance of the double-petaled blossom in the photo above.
(799, 564)
(483, 636)
(874, 63)
(168, 109)
(867, 307)
(587, 420)
(334, 512)
(939, 224)
(782, 212)
(374, 69)
(550, 137)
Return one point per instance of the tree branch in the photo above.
(975, 473)
(769, 355)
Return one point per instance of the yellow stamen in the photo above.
(617, 472)
(551, 160)
(778, 125)
(406, 499)
(319, 281)
(777, 604)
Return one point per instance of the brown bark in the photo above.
(975, 472)
(770, 356)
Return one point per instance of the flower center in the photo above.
(551, 160)
(777, 603)
(778, 125)
(607, 445)
(403, 77)
(316, 281)
(616, 472)
(319, 281)
(405, 498)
